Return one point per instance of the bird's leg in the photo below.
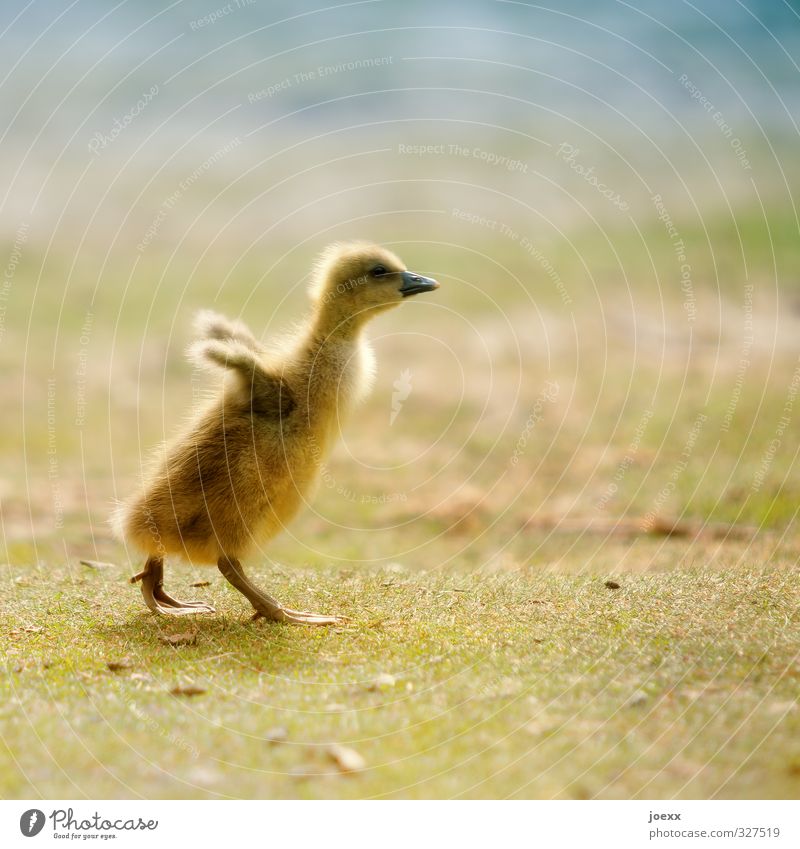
(156, 597)
(266, 605)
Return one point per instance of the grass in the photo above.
(506, 684)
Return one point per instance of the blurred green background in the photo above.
(606, 193)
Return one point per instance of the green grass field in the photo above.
(545, 449)
(677, 684)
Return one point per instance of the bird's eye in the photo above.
(378, 271)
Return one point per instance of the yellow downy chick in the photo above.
(240, 470)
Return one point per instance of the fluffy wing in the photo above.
(211, 325)
(269, 393)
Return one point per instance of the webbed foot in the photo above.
(266, 606)
(158, 599)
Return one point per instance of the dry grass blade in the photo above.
(97, 564)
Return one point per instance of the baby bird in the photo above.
(241, 469)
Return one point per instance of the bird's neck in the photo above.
(337, 363)
(329, 324)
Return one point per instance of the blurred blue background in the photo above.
(513, 77)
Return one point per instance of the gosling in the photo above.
(241, 469)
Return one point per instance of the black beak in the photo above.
(413, 284)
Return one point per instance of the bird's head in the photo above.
(353, 281)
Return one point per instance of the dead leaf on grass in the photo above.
(300, 771)
(539, 726)
(187, 690)
(384, 681)
(660, 526)
(346, 759)
(188, 638)
(781, 707)
(637, 699)
(278, 734)
(27, 629)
